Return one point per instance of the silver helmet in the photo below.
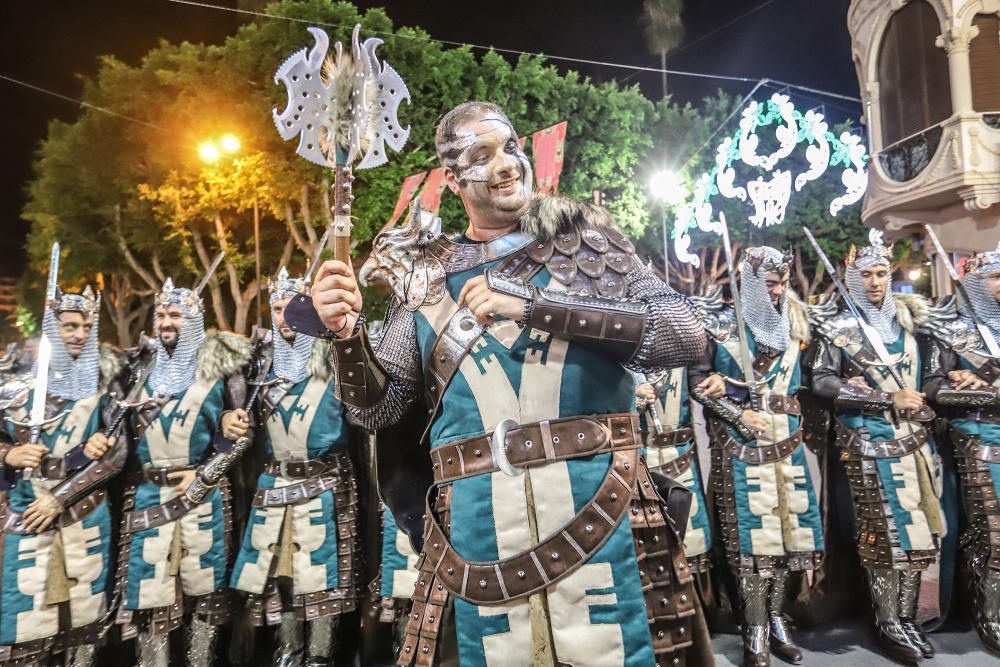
(977, 270)
(73, 378)
(883, 316)
(291, 360)
(768, 323)
(175, 372)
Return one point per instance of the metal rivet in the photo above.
(449, 460)
(482, 583)
(478, 452)
(614, 496)
(520, 574)
(547, 318)
(347, 350)
(451, 570)
(580, 436)
(555, 440)
(684, 598)
(618, 325)
(583, 323)
(555, 555)
(589, 528)
(528, 444)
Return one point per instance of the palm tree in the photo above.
(664, 29)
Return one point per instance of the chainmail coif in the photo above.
(174, 373)
(768, 324)
(69, 378)
(291, 360)
(977, 272)
(882, 317)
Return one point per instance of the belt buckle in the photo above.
(498, 445)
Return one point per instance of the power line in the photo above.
(88, 105)
(585, 61)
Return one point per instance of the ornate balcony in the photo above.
(905, 159)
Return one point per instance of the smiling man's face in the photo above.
(485, 166)
(75, 329)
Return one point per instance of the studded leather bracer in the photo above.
(726, 410)
(851, 397)
(972, 398)
(361, 380)
(210, 472)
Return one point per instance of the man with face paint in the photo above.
(55, 528)
(299, 558)
(963, 377)
(519, 332)
(176, 530)
(765, 500)
(888, 453)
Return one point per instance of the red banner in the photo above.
(430, 194)
(547, 148)
(522, 141)
(410, 185)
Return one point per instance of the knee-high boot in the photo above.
(782, 644)
(909, 591)
(322, 641)
(883, 583)
(988, 611)
(153, 650)
(290, 642)
(753, 596)
(201, 643)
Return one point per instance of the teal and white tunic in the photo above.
(318, 535)
(66, 568)
(399, 561)
(675, 411)
(188, 554)
(768, 511)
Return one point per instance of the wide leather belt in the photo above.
(558, 555)
(162, 514)
(675, 438)
(674, 469)
(528, 445)
(291, 469)
(972, 447)
(783, 405)
(53, 468)
(12, 522)
(161, 476)
(755, 454)
(295, 493)
(880, 449)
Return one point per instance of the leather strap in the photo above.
(557, 556)
(12, 522)
(450, 348)
(534, 444)
(161, 476)
(677, 437)
(295, 493)
(880, 449)
(755, 454)
(331, 463)
(972, 447)
(52, 468)
(676, 468)
(780, 404)
(159, 515)
(271, 398)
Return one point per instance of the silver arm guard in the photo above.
(211, 471)
(857, 398)
(971, 398)
(726, 410)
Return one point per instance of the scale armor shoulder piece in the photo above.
(14, 391)
(840, 330)
(952, 326)
(718, 319)
(823, 310)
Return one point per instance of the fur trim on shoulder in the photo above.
(551, 214)
(111, 361)
(222, 354)
(321, 362)
(912, 310)
(798, 319)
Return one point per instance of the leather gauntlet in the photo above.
(94, 474)
(851, 397)
(361, 380)
(726, 410)
(971, 398)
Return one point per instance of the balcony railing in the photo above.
(904, 160)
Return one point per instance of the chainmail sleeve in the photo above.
(397, 352)
(673, 335)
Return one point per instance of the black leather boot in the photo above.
(891, 635)
(782, 644)
(909, 591)
(988, 612)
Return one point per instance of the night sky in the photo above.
(55, 44)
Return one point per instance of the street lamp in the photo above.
(209, 152)
(667, 186)
(229, 143)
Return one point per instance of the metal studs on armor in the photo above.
(521, 574)
(482, 583)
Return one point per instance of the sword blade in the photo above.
(41, 381)
(746, 358)
(209, 274)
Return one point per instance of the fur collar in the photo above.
(798, 319)
(111, 361)
(912, 310)
(550, 214)
(223, 354)
(321, 361)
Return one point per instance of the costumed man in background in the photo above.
(517, 332)
(671, 451)
(299, 558)
(176, 530)
(55, 527)
(962, 375)
(888, 453)
(764, 497)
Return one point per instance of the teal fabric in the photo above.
(392, 560)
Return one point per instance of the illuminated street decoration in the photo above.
(769, 195)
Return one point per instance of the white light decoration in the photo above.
(667, 185)
(770, 196)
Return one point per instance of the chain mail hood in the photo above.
(769, 324)
(174, 373)
(291, 360)
(883, 317)
(69, 378)
(977, 271)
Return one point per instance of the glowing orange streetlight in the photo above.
(230, 143)
(209, 152)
